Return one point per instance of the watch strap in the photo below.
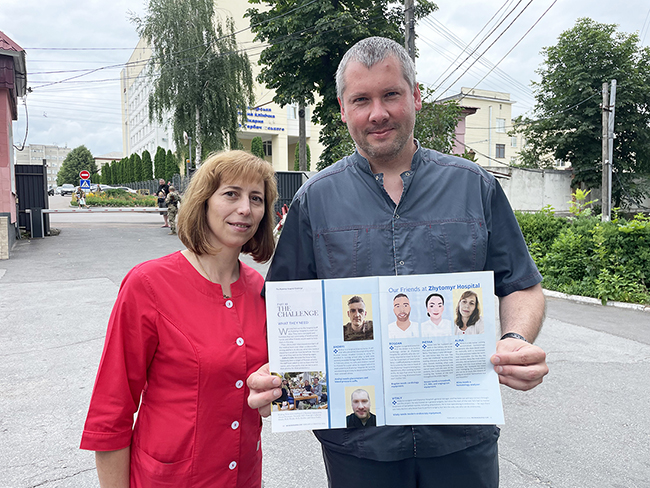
(513, 335)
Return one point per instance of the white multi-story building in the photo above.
(138, 132)
(53, 156)
(278, 127)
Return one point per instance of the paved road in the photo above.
(587, 425)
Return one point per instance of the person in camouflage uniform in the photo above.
(173, 200)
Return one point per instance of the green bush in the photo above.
(584, 256)
(571, 264)
(118, 198)
(623, 249)
(540, 230)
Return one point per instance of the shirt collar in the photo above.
(364, 165)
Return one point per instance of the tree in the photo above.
(138, 169)
(130, 169)
(435, 124)
(80, 158)
(306, 43)
(296, 159)
(106, 173)
(257, 147)
(199, 73)
(118, 174)
(159, 162)
(566, 123)
(171, 166)
(147, 169)
(114, 172)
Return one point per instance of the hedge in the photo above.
(584, 256)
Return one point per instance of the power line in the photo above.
(26, 126)
(190, 61)
(516, 44)
(493, 30)
(513, 84)
(493, 43)
(451, 37)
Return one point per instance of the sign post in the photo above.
(84, 181)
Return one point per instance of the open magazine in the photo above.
(387, 350)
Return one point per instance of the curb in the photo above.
(596, 301)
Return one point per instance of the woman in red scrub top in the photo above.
(185, 332)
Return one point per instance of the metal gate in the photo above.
(31, 189)
(288, 184)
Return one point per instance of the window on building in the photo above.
(501, 125)
(513, 141)
(501, 151)
(268, 146)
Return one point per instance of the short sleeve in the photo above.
(507, 253)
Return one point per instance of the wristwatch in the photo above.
(513, 335)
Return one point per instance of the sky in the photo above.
(75, 51)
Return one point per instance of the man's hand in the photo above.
(264, 388)
(520, 365)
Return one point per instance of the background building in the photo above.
(486, 126)
(138, 133)
(53, 156)
(278, 127)
(13, 85)
(107, 158)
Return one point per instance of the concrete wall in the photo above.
(7, 235)
(531, 190)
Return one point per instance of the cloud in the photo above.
(86, 111)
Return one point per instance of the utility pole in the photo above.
(610, 144)
(609, 102)
(302, 138)
(409, 28)
(604, 187)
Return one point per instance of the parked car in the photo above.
(50, 190)
(125, 188)
(67, 189)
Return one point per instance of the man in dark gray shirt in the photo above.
(395, 208)
(361, 415)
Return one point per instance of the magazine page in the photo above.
(353, 337)
(297, 354)
(439, 334)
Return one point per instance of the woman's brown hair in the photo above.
(476, 314)
(219, 168)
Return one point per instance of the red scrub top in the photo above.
(176, 342)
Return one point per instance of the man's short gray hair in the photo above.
(359, 390)
(369, 52)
